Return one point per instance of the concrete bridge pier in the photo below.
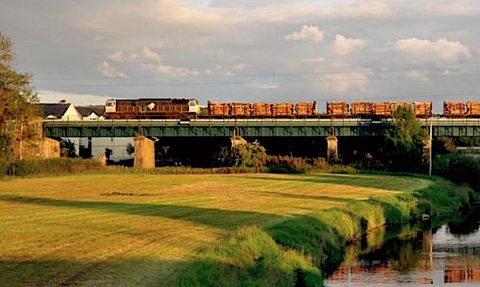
(332, 148)
(144, 153)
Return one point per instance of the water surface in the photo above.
(414, 256)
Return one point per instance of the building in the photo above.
(91, 113)
(62, 111)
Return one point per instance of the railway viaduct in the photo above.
(331, 129)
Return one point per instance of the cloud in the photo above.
(109, 71)
(264, 86)
(47, 96)
(430, 8)
(119, 57)
(149, 54)
(307, 33)
(339, 83)
(240, 67)
(171, 71)
(314, 60)
(226, 71)
(418, 75)
(442, 49)
(344, 46)
(302, 9)
(341, 78)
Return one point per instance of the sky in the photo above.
(248, 50)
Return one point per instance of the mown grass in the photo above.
(142, 230)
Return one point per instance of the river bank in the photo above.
(414, 255)
(301, 250)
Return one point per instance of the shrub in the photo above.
(247, 155)
(459, 168)
(287, 164)
(48, 166)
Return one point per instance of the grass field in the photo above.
(134, 230)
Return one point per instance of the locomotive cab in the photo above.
(110, 106)
(193, 106)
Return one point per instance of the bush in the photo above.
(247, 155)
(48, 166)
(459, 168)
(287, 164)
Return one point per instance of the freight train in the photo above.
(190, 109)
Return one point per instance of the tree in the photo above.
(67, 148)
(130, 149)
(443, 145)
(16, 96)
(246, 155)
(404, 142)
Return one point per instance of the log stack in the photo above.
(240, 109)
(362, 108)
(262, 109)
(218, 109)
(395, 105)
(383, 109)
(453, 109)
(282, 109)
(337, 109)
(422, 109)
(305, 109)
(473, 109)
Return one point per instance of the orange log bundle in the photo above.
(282, 109)
(218, 109)
(396, 105)
(337, 109)
(383, 109)
(362, 108)
(473, 109)
(240, 109)
(453, 109)
(262, 109)
(422, 109)
(305, 109)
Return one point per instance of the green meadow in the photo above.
(140, 230)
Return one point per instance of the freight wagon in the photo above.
(261, 110)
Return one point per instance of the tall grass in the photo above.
(250, 257)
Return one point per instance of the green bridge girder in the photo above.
(250, 128)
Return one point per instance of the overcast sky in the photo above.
(247, 50)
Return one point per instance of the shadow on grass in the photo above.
(306, 196)
(63, 272)
(354, 180)
(219, 218)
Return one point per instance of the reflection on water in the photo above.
(414, 256)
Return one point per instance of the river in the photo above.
(414, 256)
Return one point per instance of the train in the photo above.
(185, 109)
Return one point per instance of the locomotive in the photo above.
(151, 109)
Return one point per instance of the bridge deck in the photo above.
(250, 127)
